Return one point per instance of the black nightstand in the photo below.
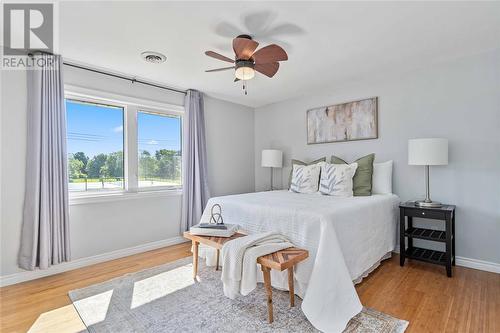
(446, 213)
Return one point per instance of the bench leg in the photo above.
(195, 259)
(290, 287)
(267, 284)
(217, 264)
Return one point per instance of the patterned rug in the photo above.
(166, 299)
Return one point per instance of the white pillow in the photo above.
(305, 178)
(382, 178)
(336, 179)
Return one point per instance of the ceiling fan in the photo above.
(247, 60)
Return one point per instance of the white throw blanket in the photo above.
(239, 257)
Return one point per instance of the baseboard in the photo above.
(481, 265)
(82, 262)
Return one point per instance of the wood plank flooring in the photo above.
(419, 292)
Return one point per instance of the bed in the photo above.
(346, 238)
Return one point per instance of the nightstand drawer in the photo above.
(427, 214)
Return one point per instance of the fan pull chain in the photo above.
(245, 87)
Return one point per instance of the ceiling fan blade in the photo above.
(218, 56)
(219, 69)
(244, 47)
(268, 69)
(236, 80)
(269, 54)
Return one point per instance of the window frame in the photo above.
(131, 106)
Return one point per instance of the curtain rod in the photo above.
(131, 79)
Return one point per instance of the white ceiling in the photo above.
(328, 43)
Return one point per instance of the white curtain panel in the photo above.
(194, 167)
(45, 231)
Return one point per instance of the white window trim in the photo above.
(104, 96)
(131, 105)
(109, 196)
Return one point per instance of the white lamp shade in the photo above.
(244, 73)
(272, 158)
(432, 151)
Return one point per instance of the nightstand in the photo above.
(446, 213)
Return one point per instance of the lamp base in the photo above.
(428, 204)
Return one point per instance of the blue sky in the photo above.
(158, 132)
(96, 129)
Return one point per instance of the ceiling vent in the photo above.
(154, 57)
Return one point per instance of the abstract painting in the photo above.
(343, 122)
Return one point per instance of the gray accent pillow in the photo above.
(362, 180)
(323, 159)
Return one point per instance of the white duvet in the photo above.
(345, 238)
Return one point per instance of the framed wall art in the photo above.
(343, 122)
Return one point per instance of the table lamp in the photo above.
(431, 151)
(272, 158)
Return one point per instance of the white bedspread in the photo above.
(345, 237)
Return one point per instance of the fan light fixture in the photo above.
(244, 73)
(244, 70)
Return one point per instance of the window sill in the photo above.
(89, 198)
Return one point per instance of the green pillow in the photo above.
(362, 180)
(323, 159)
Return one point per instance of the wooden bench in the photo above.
(280, 260)
(211, 241)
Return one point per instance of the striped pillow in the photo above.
(305, 178)
(319, 160)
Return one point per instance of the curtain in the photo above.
(45, 231)
(194, 168)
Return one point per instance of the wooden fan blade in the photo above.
(269, 54)
(244, 47)
(267, 69)
(219, 69)
(236, 80)
(218, 56)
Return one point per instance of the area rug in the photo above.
(167, 299)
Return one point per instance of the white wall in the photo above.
(98, 228)
(230, 142)
(458, 100)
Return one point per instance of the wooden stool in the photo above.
(211, 241)
(280, 260)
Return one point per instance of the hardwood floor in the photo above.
(420, 293)
(43, 305)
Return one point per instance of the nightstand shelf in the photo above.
(428, 234)
(432, 256)
(446, 214)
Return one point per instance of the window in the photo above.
(122, 144)
(159, 145)
(95, 146)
